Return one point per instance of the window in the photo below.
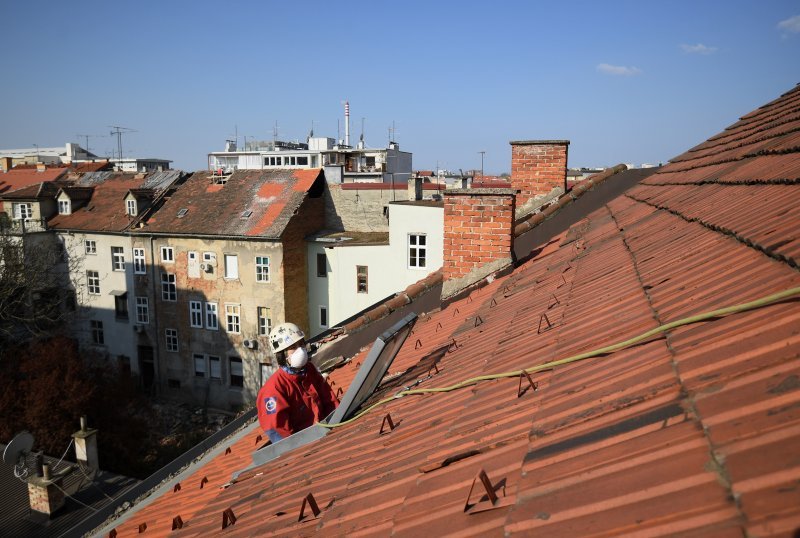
(89, 246)
(264, 321)
(322, 265)
(196, 314)
(416, 251)
(23, 211)
(131, 207)
(117, 259)
(214, 370)
(97, 332)
(262, 268)
(199, 365)
(93, 282)
(236, 371)
(121, 306)
(361, 278)
(302, 161)
(231, 266)
(171, 339)
(138, 261)
(64, 207)
(142, 310)
(323, 316)
(169, 290)
(167, 255)
(232, 318)
(212, 316)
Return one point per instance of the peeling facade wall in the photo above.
(361, 210)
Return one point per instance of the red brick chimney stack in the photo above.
(538, 167)
(478, 225)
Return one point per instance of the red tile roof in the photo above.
(105, 209)
(692, 431)
(271, 197)
(18, 178)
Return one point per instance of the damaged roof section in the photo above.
(245, 203)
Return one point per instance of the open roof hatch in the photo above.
(367, 379)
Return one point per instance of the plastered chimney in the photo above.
(5, 163)
(538, 170)
(86, 446)
(478, 224)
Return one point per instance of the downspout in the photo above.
(157, 347)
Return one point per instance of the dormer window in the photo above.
(131, 207)
(64, 207)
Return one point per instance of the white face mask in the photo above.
(298, 358)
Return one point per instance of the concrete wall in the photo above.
(360, 207)
(388, 270)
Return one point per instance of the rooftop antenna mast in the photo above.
(275, 132)
(118, 131)
(87, 137)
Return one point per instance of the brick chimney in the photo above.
(538, 170)
(478, 224)
(86, 446)
(45, 492)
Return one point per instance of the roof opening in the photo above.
(246, 213)
(182, 212)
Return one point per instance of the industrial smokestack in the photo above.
(347, 123)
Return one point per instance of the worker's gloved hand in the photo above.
(298, 358)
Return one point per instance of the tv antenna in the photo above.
(87, 137)
(118, 131)
(17, 451)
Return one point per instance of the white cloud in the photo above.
(622, 70)
(698, 49)
(792, 25)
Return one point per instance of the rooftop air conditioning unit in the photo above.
(250, 344)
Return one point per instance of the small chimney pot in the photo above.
(46, 471)
(83, 423)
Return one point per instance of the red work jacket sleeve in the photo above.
(275, 415)
(328, 400)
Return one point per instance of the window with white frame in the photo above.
(417, 251)
(64, 207)
(361, 279)
(131, 207)
(262, 268)
(93, 282)
(98, 337)
(264, 321)
(167, 255)
(138, 261)
(142, 310)
(212, 316)
(196, 314)
(117, 259)
(171, 336)
(169, 289)
(323, 316)
(23, 211)
(233, 318)
(90, 246)
(231, 266)
(199, 365)
(214, 367)
(236, 372)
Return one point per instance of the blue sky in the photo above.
(624, 81)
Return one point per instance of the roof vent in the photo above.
(246, 213)
(182, 212)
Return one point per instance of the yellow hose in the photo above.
(758, 303)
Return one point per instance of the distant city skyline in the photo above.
(625, 82)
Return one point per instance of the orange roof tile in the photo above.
(18, 178)
(694, 430)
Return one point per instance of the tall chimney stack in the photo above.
(86, 446)
(538, 170)
(347, 123)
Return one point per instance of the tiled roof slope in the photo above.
(18, 177)
(693, 432)
(105, 210)
(272, 197)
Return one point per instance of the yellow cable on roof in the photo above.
(758, 303)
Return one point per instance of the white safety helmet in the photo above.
(284, 335)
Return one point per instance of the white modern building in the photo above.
(70, 152)
(349, 272)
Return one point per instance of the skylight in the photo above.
(182, 213)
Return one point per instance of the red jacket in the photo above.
(288, 403)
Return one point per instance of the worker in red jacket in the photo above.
(296, 395)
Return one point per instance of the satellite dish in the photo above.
(18, 448)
